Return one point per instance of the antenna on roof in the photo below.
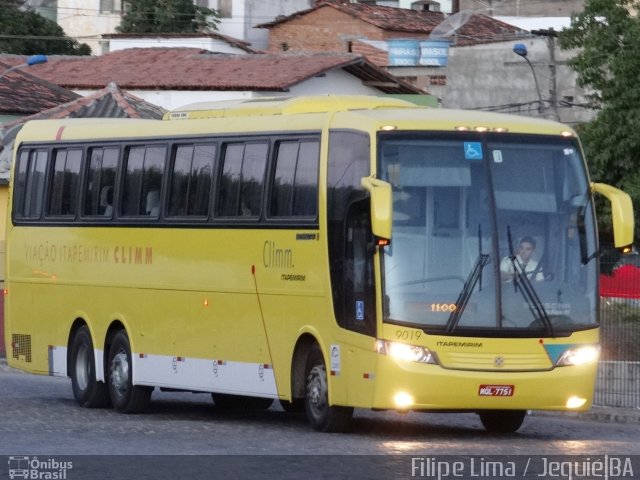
(449, 26)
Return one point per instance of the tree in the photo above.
(608, 37)
(166, 16)
(26, 32)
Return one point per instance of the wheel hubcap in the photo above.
(83, 367)
(317, 390)
(120, 373)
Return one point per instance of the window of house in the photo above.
(110, 6)
(224, 8)
(65, 181)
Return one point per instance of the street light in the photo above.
(521, 50)
(32, 60)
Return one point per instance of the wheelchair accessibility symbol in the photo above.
(359, 310)
(473, 150)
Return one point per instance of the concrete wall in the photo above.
(82, 18)
(492, 77)
(205, 43)
(548, 8)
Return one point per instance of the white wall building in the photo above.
(87, 20)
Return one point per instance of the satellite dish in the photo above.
(449, 26)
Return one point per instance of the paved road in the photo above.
(38, 417)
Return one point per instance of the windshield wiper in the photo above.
(474, 276)
(521, 282)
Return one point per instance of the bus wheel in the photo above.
(87, 391)
(125, 396)
(502, 421)
(240, 402)
(320, 414)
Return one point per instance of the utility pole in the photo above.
(551, 35)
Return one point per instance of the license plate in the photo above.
(495, 390)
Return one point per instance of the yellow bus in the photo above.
(331, 252)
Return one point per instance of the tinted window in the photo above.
(191, 180)
(63, 194)
(295, 185)
(101, 181)
(142, 181)
(242, 179)
(29, 188)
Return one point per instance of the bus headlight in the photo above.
(405, 352)
(579, 355)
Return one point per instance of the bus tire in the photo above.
(502, 421)
(322, 416)
(240, 402)
(87, 391)
(126, 397)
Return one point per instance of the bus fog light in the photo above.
(576, 402)
(405, 352)
(581, 355)
(403, 400)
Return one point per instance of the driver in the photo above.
(526, 248)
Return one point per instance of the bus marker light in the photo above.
(206, 302)
(403, 400)
(576, 402)
(5, 292)
(388, 128)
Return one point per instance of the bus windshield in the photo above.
(493, 234)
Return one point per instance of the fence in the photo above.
(618, 380)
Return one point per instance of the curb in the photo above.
(598, 414)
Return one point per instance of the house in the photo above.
(467, 61)
(23, 94)
(387, 36)
(173, 77)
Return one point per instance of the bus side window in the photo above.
(64, 183)
(143, 181)
(191, 180)
(29, 188)
(242, 179)
(100, 181)
(294, 191)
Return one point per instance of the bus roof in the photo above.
(313, 113)
(285, 106)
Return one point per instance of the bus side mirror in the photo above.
(381, 208)
(621, 211)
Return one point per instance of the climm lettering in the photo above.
(133, 255)
(274, 256)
